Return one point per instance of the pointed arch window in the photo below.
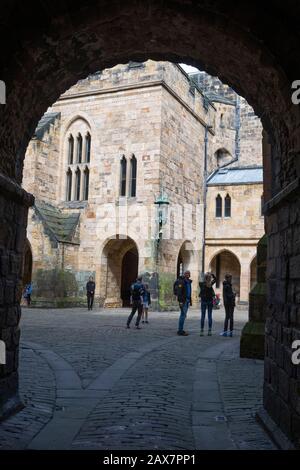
(69, 185)
(70, 149)
(133, 172)
(86, 177)
(88, 147)
(123, 169)
(79, 148)
(77, 162)
(77, 184)
(218, 206)
(227, 212)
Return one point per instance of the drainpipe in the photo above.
(205, 194)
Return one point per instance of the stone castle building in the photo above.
(143, 169)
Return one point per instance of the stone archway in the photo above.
(129, 274)
(119, 268)
(226, 262)
(238, 43)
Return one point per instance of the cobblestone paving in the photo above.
(244, 376)
(149, 404)
(37, 390)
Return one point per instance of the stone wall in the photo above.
(238, 128)
(41, 166)
(14, 203)
(238, 234)
(148, 110)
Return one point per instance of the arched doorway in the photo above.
(130, 263)
(226, 262)
(253, 273)
(27, 264)
(184, 259)
(119, 268)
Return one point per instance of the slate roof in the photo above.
(215, 98)
(61, 225)
(232, 176)
(44, 124)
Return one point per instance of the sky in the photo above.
(188, 68)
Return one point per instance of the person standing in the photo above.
(146, 303)
(27, 294)
(90, 292)
(137, 292)
(207, 295)
(183, 291)
(229, 304)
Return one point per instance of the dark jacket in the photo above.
(147, 297)
(137, 291)
(90, 287)
(207, 294)
(180, 289)
(228, 294)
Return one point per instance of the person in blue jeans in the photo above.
(183, 291)
(207, 295)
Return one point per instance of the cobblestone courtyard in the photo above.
(89, 383)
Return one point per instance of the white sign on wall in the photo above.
(2, 353)
(296, 354)
(2, 92)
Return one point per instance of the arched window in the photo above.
(218, 206)
(77, 184)
(123, 176)
(79, 148)
(71, 149)
(133, 170)
(227, 211)
(86, 177)
(88, 148)
(69, 185)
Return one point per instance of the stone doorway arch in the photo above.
(226, 262)
(119, 268)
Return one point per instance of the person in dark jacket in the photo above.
(136, 298)
(229, 304)
(183, 292)
(90, 292)
(207, 295)
(146, 303)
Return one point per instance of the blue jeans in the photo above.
(206, 304)
(183, 311)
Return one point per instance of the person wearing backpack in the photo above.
(146, 303)
(183, 290)
(207, 295)
(137, 292)
(229, 304)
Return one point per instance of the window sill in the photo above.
(124, 200)
(74, 204)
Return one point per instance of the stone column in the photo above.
(14, 204)
(244, 282)
(253, 334)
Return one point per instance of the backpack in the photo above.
(175, 287)
(136, 291)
